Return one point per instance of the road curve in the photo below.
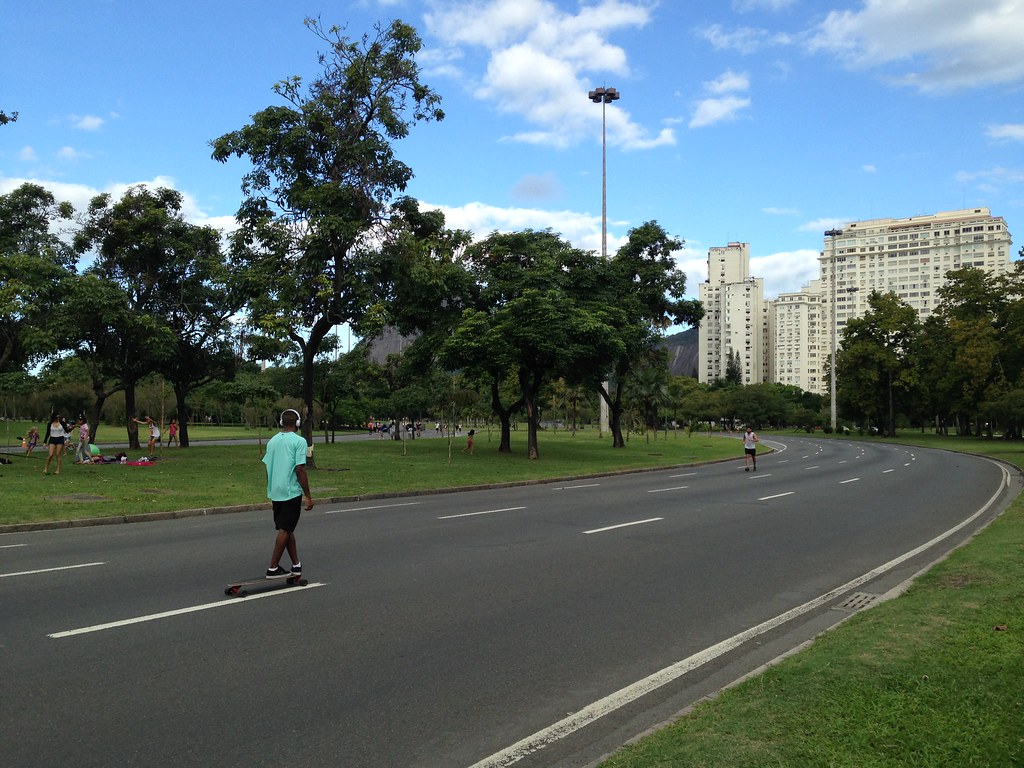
(534, 626)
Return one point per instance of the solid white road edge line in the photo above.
(485, 512)
(49, 570)
(630, 693)
(180, 611)
(625, 525)
(574, 487)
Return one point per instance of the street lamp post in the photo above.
(604, 96)
(833, 233)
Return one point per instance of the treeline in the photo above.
(961, 369)
(128, 289)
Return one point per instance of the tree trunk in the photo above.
(530, 386)
(180, 395)
(96, 412)
(615, 409)
(504, 416)
(129, 415)
(309, 349)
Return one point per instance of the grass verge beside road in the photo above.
(932, 678)
(201, 476)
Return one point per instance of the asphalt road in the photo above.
(537, 626)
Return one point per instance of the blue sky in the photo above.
(765, 121)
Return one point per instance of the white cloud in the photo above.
(785, 271)
(823, 224)
(27, 155)
(869, 168)
(997, 175)
(559, 54)
(742, 6)
(934, 45)
(728, 82)
(1010, 132)
(70, 153)
(719, 106)
(582, 230)
(80, 195)
(744, 40)
(87, 122)
(711, 111)
(773, 211)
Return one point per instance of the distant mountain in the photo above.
(682, 352)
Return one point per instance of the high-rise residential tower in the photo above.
(735, 317)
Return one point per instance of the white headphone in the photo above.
(298, 417)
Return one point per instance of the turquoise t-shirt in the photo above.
(285, 451)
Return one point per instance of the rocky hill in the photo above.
(682, 352)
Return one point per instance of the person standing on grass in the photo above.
(82, 455)
(154, 433)
(287, 484)
(749, 449)
(31, 441)
(57, 434)
(172, 433)
(469, 441)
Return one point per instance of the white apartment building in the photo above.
(798, 335)
(908, 257)
(735, 317)
(789, 340)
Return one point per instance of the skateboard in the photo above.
(240, 588)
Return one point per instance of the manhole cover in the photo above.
(857, 602)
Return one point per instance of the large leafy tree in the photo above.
(323, 173)
(535, 316)
(97, 324)
(877, 367)
(151, 256)
(34, 262)
(645, 290)
(196, 302)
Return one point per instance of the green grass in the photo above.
(923, 680)
(216, 476)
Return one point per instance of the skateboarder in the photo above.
(749, 449)
(286, 485)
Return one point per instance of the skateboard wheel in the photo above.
(302, 582)
(227, 590)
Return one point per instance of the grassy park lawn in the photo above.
(204, 476)
(923, 680)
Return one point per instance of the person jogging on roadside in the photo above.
(749, 449)
(287, 483)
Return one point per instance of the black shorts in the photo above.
(286, 514)
(750, 451)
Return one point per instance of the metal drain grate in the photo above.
(857, 602)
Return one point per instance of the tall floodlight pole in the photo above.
(833, 233)
(604, 96)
